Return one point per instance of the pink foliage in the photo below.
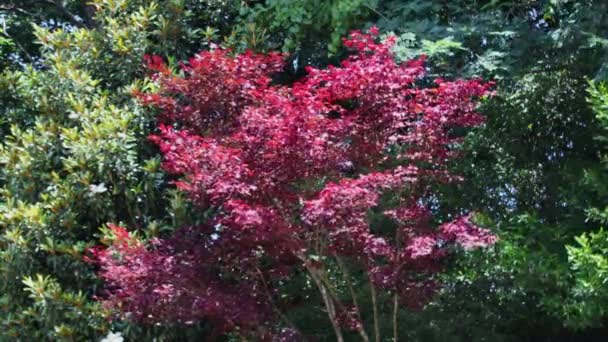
(466, 234)
(166, 282)
(253, 151)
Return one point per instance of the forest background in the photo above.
(75, 155)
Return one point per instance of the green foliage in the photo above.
(408, 47)
(17, 16)
(73, 153)
(296, 24)
(598, 98)
(589, 263)
(73, 156)
(515, 285)
(498, 38)
(174, 27)
(7, 46)
(533, 169)
(588, 258)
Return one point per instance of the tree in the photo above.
(289, 176)
(526, 168)
(588, 258)
(18, 17)
(73, 156)
(304, 25)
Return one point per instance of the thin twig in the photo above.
(331, 310)
(375, 309)
(15, 9)
(375, 11)
(347, 277)
(396, 296)
(71, 17)
(395, 316)
(336, 300)
(272, 303)
(27, 55)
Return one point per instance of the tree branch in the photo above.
(375, 309)
(347, 277)
(15, 9)
(272, 303)
(395, 316)
(71, 16)
(21, 48)
(329, 305)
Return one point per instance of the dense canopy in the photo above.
(303, 170)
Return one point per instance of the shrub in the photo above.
(291, 177)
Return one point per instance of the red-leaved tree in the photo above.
(292, 173)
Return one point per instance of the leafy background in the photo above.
(74, 153)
